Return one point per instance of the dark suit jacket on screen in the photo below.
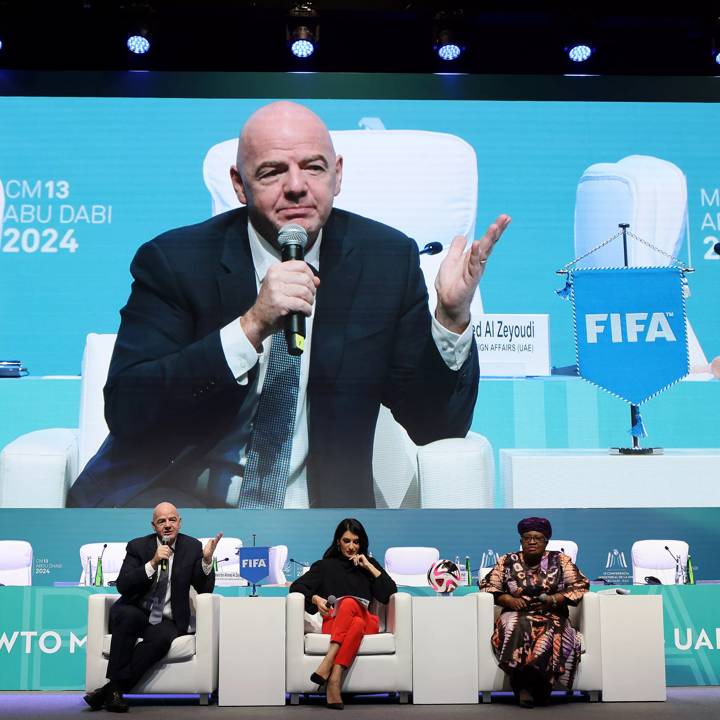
(170, 395)
(134, 585)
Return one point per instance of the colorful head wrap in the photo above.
(541, 525)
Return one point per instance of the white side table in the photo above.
(594, 478)
(252, 651)
(445, 650)
(633, 651)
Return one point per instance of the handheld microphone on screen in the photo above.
(433, 248)
(614, 591)
(292, 240)
(164, 563)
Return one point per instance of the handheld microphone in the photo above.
(164, 562)
(433, 248)
(331, 600)
(292, 240)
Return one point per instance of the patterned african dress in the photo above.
(544, 639)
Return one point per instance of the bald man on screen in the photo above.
(196, 348)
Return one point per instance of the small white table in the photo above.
(445, 650)
(594, 478)
(633, 651)
(252, 651)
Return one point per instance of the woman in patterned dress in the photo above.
(533, 640)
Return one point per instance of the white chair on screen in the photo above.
(651, 195)
(651, 558)
(16, 562)
(278, 559)
(585, 618)
(383, 663)
(113, 555)
(191, 665)
(426, 185)
(409, 565)
(405, 475)
(228, 564)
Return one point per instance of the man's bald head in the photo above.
(279, 119)
(166, 521)
(287, 170)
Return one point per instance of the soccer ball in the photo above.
(443, 576)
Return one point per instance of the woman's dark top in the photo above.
(340, 576)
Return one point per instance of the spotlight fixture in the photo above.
(303, 30)
(447, 41)
(138, 24)
(579, 52)
(139, 43)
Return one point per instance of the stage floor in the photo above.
(694, 703)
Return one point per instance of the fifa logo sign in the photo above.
(254, 563)
(629, 327)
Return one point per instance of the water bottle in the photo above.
(468, 571)
(98, 582)
(460, 569)
(690, 575)
(679, 579)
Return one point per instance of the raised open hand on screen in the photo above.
(460, 273)
(209, 549)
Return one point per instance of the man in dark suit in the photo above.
(185, 383)
(154, 604)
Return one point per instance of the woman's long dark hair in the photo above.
(348, 525)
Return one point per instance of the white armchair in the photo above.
(191, 665)
(585, 618)
(650, 557)
(37, 468)
(384, 661)
(16, 562)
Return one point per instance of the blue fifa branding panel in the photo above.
(254, 564)
(630, 329)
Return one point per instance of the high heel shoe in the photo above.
(336, 706)
(319, 680)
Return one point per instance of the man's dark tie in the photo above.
(268, 456)
(157, 602)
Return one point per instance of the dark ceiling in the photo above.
(369, 36)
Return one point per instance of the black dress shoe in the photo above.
(318, 679)
(114, 702)
(96, 698)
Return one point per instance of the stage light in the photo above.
(717, 57)
(303, 30)
(138, 44)
(448, 50)
(446, 30)
(579, 53)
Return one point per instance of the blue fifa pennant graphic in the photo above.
(630, 329)
(254, 564)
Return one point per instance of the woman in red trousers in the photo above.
(354, 579)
